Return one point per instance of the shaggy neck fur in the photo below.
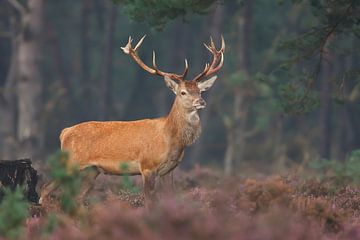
(183, 124)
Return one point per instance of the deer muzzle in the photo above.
(199, 103)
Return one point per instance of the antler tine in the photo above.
(207, 47)
(128, 49)
(199, 76)
(186, 69)
(218, 59)
(211, 47)
(222, 44)
(213, 70)
(154, 60)
(171, 75)
(139, 43)
(212, 43)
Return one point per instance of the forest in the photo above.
(279, 152)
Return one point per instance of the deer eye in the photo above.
(183, 93)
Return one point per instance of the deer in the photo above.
(148, 147)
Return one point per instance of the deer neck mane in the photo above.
(183, 124)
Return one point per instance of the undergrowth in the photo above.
(69, 180)
(13, 213)
(343, 172)
(206, 205)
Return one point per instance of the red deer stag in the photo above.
(150, 147)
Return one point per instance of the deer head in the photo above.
(188, 92)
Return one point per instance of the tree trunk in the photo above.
(8, 108)
(215, 31)
(351, 107)
(229, 152)
(29, 84)
(235, 134)
(60, 65)
(240, 110)
(107, 66)
(354, 125)
(325, 116)
(84, 89)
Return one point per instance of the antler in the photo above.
(128, 49)
(217, 62)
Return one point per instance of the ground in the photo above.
(206, 205)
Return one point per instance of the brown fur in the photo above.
(148, 142)
(150, 147)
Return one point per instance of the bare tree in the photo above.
(236, 125)
(216, 25)
(325, 115)
(29, 84)
(107, 65)
(8, 102)
(26, 80)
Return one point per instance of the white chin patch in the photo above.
(199, 107)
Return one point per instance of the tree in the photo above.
(26, 57)
(214, 25)
(107, 65)
(158, 13)
(8, 99)
(333, 21)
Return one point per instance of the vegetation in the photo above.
(126, 181)
(207, 205)
(13, 213)
(69, 180)
(158, 13)
(204, 204)
(345, 172)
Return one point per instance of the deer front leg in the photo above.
(87, 183)
(166, 183)
(149, 180)
(47, 189)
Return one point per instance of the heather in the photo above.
(206, 205)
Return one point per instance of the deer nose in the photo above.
(199, 103)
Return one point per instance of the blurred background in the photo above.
(288, 93)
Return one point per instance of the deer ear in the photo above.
(206, 84)
(170, 83)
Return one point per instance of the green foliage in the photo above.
(126, 182)
(329, 25)
(51, 224)
(68, 179)
(159, 12)
(13, 212)
(340, 15)
(238, 78)
(295, 99)
(347, 171)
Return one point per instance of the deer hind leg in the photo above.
(149, 180)
(166, 183)
(47, 190)
(87, 182)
